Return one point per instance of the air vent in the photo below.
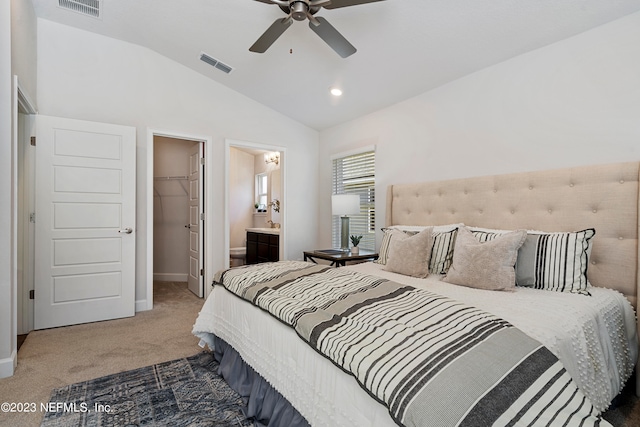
(85, 7)
(215, 63)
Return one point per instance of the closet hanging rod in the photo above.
(170, 178)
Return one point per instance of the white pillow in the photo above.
(485, 265)
(410, 254)
(444, 237)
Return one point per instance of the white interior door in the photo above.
(195, 221)
(85, 221)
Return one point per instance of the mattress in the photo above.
(594, 337)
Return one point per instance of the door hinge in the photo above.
(33, 141)
(202, 160)
(32, 294)
(202, 271)
(202, 216)
(32, 218)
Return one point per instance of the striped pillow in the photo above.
(383, 252)
(486, 234)
(555, 261)
(442, 251)
(550, 261)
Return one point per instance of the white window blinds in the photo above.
(355, 174)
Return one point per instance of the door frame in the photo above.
(228, 143)
(26, 205)
(147, 303)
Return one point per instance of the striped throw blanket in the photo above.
(431, 360)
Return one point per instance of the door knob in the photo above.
(127, 230)
(188, 226)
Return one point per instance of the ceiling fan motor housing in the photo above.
(299, 9)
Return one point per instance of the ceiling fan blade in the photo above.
(332, 37)
(282, 4)
(271, 35)
(318, 3)
(344, 3)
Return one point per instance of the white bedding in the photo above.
(594, 337)
(321, 392)
(573, 327)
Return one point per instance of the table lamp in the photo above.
(343, 205)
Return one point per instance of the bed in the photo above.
(594, 336)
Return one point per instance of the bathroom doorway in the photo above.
(255, 195)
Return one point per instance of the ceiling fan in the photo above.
(306, 9)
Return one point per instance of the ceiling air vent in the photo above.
(215, 63)
(85, 7)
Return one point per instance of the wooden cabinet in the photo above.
(262, 247)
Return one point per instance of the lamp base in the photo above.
(344, 234)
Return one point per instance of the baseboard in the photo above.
(8, 365)
(170, 277)
(141, 305)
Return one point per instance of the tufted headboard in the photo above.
(604, 197)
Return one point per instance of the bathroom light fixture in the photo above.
(272, 157)
(336, 91)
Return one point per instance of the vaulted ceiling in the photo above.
(404, 47)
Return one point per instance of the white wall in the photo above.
(7, 268)
(576, 102)
(241, 196)
(91, 77)
(275, 193)
(17, 58)
(24, 49)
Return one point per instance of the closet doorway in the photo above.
(178, 220)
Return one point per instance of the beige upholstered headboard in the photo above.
(604, 197)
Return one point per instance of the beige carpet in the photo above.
(56, 357)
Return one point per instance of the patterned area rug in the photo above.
(183, 392)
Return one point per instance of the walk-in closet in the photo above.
(176, 212)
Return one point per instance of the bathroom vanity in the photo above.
(263, 245)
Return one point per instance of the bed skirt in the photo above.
(264, 403)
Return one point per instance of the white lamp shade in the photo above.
(345, 204)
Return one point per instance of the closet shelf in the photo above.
(170, 178)
(167, 188)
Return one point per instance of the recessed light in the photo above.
(336, 92)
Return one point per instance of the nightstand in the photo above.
(337, 257)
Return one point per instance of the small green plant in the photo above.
(355, 239)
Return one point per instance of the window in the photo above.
(355, 174)
(261, 191)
